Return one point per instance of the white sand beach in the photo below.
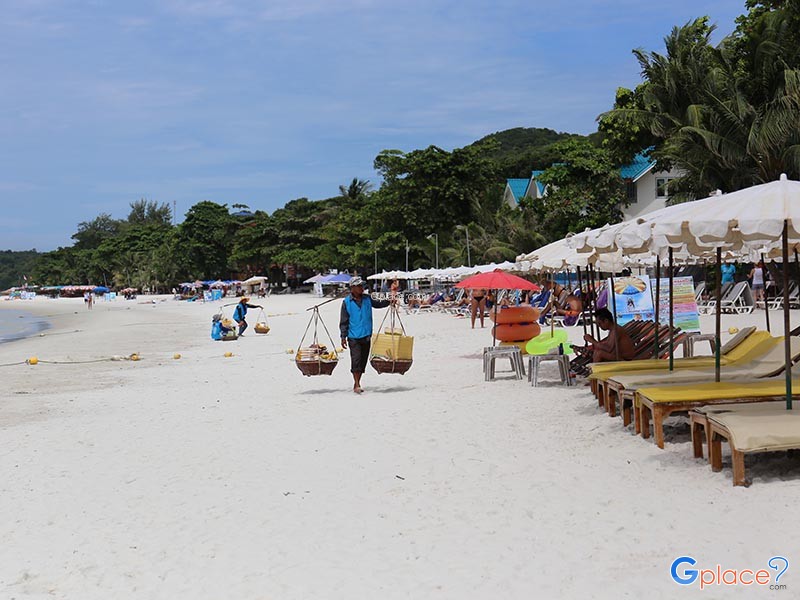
(211, 478)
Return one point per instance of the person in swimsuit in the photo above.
(477, 306)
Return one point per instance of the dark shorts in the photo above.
(359, 354)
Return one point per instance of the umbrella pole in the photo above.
(766, 305)
(671, 315)
(494, 326)
(797, 266)
(583, 299)
(718, 315)
(658, 305)
(593, 306)
(787, 340)
(613, 297)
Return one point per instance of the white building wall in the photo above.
(647, 199)
(508, 197)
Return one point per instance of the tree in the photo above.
(430, 190)
(585, 190)
(149, 212)
(729, 116)
(205, 237)
(91, 234)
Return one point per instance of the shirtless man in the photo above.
(604, 351)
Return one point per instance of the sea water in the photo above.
(17, 324)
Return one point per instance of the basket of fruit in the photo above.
(261, 325)
(315, 358)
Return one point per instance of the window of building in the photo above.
(630, 192)
(662, 187)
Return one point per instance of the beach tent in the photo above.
(251, 284)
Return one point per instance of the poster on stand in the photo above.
(633, 300)
(684, 305)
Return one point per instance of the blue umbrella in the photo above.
(100, 289)
(340, 278)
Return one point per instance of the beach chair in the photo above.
(740, 345)
(766, 360)
(699, 290)
(738, 300)
(658, 402)
(750, 429)
(710, 304)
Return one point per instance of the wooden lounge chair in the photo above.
(767, 427)
(701, 432)
(660, 402)
(766, 360)
(735, 350)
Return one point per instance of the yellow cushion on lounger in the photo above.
(755, 344)
(698, 392)
(769, 364)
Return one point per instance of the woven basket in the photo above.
(390, 366)
(261, 328)
(316, 367)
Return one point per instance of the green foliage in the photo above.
(148, 212)
(585, 190)
(15, 265)
(431, 190)
(91, 234)
(728, 116)
(205, 237)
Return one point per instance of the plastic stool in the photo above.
(492, 353)
(563, 367)
(692, 338)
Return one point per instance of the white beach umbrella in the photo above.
(420, 273)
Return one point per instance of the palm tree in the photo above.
(356, 189)
(727, 116)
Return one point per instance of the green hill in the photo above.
(510, 142)
(520, 150)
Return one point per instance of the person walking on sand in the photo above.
(240, 312)
(355, 326)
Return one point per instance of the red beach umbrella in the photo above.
(497, 280)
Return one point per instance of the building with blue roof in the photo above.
(646, 189)
(517, 189)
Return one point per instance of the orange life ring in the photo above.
(516, 314)
(516, 332)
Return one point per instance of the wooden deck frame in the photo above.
(718, 432)
(698, 422)
(645, 410)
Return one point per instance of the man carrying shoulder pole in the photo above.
(355, 326)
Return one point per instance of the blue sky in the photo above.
(259, 102)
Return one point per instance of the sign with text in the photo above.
(684, 304)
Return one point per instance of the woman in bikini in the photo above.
(478, 305)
